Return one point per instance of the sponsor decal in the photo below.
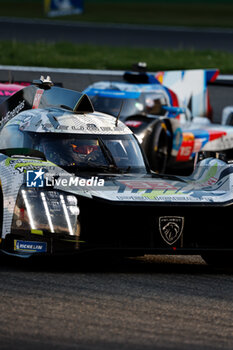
(171, 228)
(186, 148)
(20, 162)
(30, 247)
(177, 139)
(216, 134)
(92, 127)
(63, 7)
(133, 123)
(21, 167)
(198, 143)
(159, 76)
(25, 123)
(37, 98)
(163, 195)
(7, 92)
(137, 185)
(13, 113)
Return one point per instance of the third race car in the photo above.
(169, 112)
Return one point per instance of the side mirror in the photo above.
(175, 111)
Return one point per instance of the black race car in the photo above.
(75, 180)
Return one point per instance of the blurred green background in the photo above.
(205, 13)
(212, 13)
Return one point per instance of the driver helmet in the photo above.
(154, 104)
(85, 150)
(85, 147)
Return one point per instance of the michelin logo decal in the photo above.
(32, 247)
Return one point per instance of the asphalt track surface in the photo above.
(162, 302)
(116, 35)
(149, 303)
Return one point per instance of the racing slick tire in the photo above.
(159, 148)
(218, 259)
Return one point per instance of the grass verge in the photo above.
(69, 55)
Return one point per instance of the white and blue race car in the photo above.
(169, 112)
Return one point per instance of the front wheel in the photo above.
(159, 148)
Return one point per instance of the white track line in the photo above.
(81, 71)
(62, 70)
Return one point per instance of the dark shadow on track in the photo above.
(108, 264)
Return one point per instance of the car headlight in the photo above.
(39, 211)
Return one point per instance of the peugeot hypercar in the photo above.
(75, 180)
(169, 112)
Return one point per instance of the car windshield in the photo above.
(120, 153)
(113, 106)
(146, 103)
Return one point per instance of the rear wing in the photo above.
(223, 80)
(190, 87)
(43, 95)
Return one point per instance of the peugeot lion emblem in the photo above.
(171, 228)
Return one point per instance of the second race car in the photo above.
(169, 112)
